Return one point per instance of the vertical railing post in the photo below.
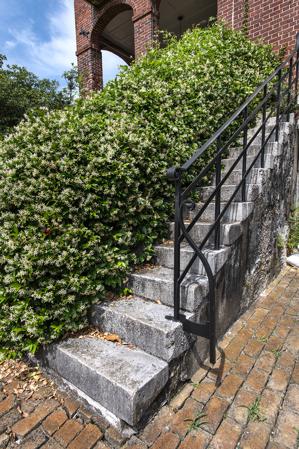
(290, 89)
(264, 126)
(218, 194)
(278, 106)
(177, 249)
(213, 323)
(244, 160)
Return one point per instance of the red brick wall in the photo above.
(273, 21)
(93, 20)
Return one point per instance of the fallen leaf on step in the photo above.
(112, 337)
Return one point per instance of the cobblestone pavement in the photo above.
(250, 400)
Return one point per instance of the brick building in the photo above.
(126, 27)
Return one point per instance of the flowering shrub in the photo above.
(83, 191)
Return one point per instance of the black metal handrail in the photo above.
(282, 84)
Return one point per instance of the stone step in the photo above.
(236, 212)
(256, 176)
(124, 381)
(229, 232)
(216, 259)
(284, 129)
(228, 163)
(252, 192)
(156, 284)
(283, 132)
(143, 324)
(273, 148)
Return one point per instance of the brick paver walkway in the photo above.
(250, 400)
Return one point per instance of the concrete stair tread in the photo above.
(144, 324)
(156, 284)
(228, 162)
(270, 148)
(185, 247)
(284, 127)
(230, 232)
(229, 186)
(216, 258)
(236, 212)
(124, 381)
(156, 272)
(227, 190)
(256, 176)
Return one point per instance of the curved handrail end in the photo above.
(174, 173)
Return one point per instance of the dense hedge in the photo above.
(83, 192)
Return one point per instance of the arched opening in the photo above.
(111, 65)
(176, 16)
(113, 35)
(118, 34)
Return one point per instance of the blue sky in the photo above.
(40, 35)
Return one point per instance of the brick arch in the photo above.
(91, 22)
(106, 14)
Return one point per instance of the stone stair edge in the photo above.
(126, 384)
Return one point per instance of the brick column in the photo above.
(145, 26)
(90, 67)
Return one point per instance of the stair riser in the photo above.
(228, 163)
(252, 192)
(165, 343)
(257, 176)
(216, 260)
(284, 131)
(229, 233)
(269, 127)
(272, 148)
(235, 212)
(192, 295)
(197, 233)
(271, 122)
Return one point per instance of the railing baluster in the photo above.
(177, 250)
(278, 106)
(264, 127)
(218, 195)
(249, 112)
(244, 164)
(290, 89)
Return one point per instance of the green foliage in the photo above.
(83, 191)
(277, 353)
(293, 241)
(73, 81)
(254, 413)
(263, 339)
(21, 92)
(280, 241)
(198, 422)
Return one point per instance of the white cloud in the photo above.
(9, 45)
(51, 57)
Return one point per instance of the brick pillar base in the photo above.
(90, 67)
(144, 28)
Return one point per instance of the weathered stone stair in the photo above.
(124, 380)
